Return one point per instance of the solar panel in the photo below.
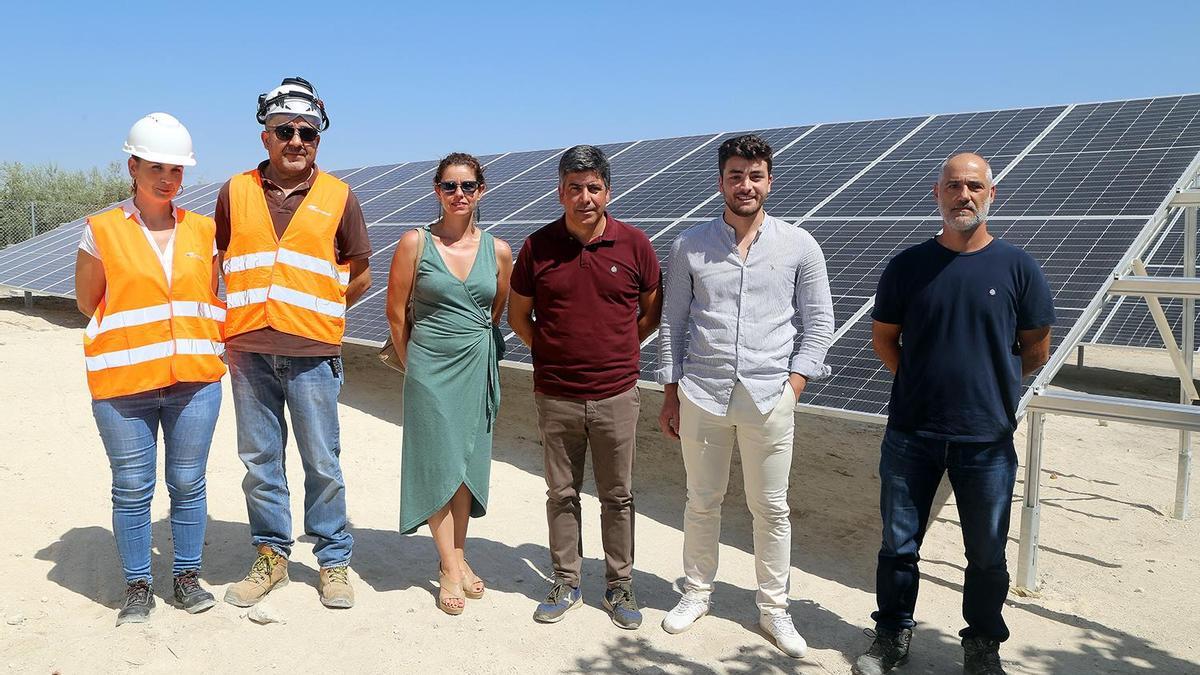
(1076, 185)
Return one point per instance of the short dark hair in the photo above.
(747, 146)
(584, 158)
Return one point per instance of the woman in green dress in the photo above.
(456, 278)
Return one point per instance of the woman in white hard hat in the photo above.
(146, 275)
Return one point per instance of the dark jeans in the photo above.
(982, 475)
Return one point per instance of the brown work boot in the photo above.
(268, 572)
(335, 588)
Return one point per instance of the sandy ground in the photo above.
(1119, 583)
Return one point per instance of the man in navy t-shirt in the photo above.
(959, 320)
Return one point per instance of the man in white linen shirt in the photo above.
(733, 289)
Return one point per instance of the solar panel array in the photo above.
(1076, 185)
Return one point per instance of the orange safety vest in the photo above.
(294, 284)
(146, 335)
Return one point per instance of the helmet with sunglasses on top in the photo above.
(159, 137)
(295, 97)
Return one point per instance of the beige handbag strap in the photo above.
(416, 264)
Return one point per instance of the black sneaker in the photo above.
(981, 656)
(190, 595)
(139, 602)
(890, 649)
(622, 606)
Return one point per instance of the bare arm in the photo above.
(1035, 349)
(504, 265)
(89, 282)
(360, 280)
(400, 281)
(885, 338)
(520, 317)
(650, 306)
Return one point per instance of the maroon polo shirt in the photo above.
(585, 302)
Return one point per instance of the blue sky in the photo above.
(409, 81)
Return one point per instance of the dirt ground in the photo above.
(1118, 574)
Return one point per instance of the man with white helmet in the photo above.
(295, 255)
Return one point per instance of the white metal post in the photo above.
(32, 219)
(1184, 473)
(1031, 510)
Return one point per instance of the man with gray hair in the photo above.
(294, 252)
(959, 320)
(585, 294)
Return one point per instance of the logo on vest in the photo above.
(193, 254)
(991, 291)
(313, 207)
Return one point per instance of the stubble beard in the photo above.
(968, 224)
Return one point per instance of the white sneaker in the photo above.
(691, 606)
(779, 627)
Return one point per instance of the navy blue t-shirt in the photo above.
(960, 370)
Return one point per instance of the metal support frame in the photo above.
(1149, 413)
(1182, 365)
(1031, 508)
(1183, 476)
(1182, 416)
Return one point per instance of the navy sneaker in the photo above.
(561, 598)
(622, 606)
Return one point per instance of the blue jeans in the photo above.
(128, 427)
(982, 475)
(309, 385)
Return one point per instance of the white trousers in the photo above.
(765, 443)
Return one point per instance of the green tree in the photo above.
(42, 197)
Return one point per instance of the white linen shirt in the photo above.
(726, 320)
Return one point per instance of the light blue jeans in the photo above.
(128, 427)
(309, 386)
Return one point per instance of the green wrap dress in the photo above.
(451, 386)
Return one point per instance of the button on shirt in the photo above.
(726, 320)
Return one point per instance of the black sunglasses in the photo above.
(285, 132)
(449, 186)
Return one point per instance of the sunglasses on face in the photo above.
(285, 132)
(449, 186)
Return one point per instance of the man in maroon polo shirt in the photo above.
(593, 284)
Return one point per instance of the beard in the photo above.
(968, 223)
(744, 210)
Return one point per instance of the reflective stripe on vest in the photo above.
(294, 284)
(146, 335)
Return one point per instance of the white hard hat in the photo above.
(159, 137)
(294, 97)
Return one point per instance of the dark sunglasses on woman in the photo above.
(449, 186)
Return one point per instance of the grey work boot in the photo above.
(981, 656)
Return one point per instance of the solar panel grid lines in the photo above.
(1079, 183)
(867, 168)
(551, 182)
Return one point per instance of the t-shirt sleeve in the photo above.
(352, 240)
(521, 281)
(1035, 309)
(649, 272)
(221, 218)
(87, 243)
(889, 298)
